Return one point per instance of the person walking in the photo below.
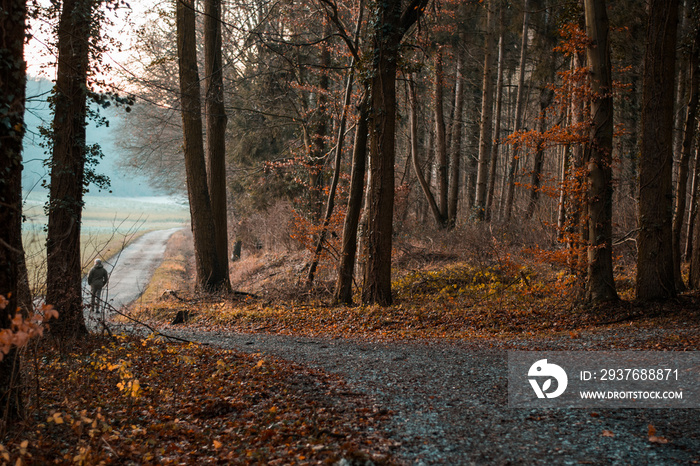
(97, 279)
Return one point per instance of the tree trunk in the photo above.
(519, 104)
(456, 144)
(12, 77)
(655, 277)
(330, 204)
(390, 24)
(413, 128)
(693, 205)
(216, 133)
(536, 181)
(210, 272)
(346, 266)
(601, 285)
(320, 131)
(440, 143)
(497, 120)
(485, 127)
(682, 179)
(64, 272)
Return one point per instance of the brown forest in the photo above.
(420, 169)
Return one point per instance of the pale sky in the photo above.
(40, 57)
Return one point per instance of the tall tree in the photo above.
(211, 272)
(485, 128)
(686, 148)
(601, 285)
(13, 72)
(456, 142)
(216, 132)
(655, 277)
(519, 106)
(497, 119)
(64, 272)
(390, 24)
(440, 136)
(346, 265)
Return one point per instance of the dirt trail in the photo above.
(131, 270)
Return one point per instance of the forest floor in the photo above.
(277, 376)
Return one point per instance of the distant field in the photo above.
(109, 223)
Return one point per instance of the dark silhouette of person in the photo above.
(97, 279)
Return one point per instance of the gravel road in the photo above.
(132, 269)
(450, 400)
(450, 405)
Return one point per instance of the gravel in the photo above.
(450, 403)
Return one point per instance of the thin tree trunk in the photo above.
(346, 266)
(485, 127)
(440, 143)
(693, 204)
(210, 273)
(655, 276)
(687, 143)
(536, 179)
(216, 133)
(413, 127)
(601, 285)
(330, 203)
(456, 144)
(497, 120)
(320, 132)
(519, 104)
(64, 271)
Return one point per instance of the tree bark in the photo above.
(655, 277)
(687, 143)
(216, 133)
(346, 266)
(413, 128)
(536, 180)
(601, 285)
(689, 241)
(519, 104)
(210, 272)
(330, 203)
(13, 72)
(440, 143)
(390, 25)
(485, 127)
(456, 144)
(63, 274)
(497, 120)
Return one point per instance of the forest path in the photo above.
(450, 405)
(131, 270)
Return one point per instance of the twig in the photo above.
(154, 331)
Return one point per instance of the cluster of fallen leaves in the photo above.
(144, 401)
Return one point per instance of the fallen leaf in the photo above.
(608, 433)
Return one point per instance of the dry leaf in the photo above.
(655, 439)
(652, 431)
(608, 433)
